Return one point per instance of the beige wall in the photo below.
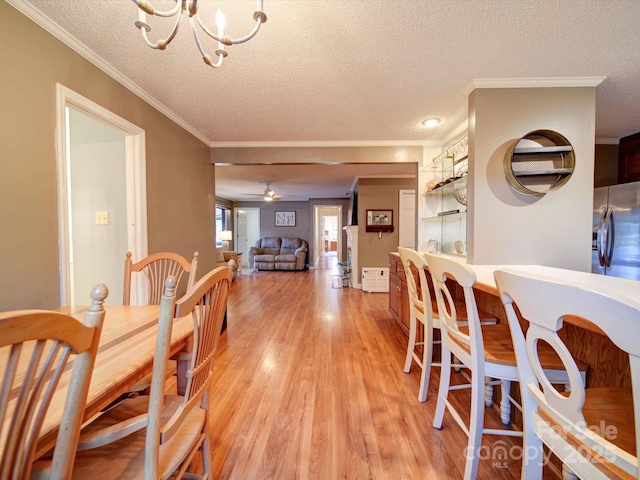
(268, 218)
(506, 227)
(382, 194)
(180, 180)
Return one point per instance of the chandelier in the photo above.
(191, 6)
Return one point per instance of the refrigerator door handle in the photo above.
(600, 238)
(608, 237)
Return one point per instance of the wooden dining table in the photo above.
(125, 356)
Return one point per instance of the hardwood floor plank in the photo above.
(308, 384)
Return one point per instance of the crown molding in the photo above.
(72, 42)
(311, 144)
(457, 132)
(386, 176)
(542, 82)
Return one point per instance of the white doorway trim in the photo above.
(407, 220)
(252, 232)
(136, 180)
(317, 233)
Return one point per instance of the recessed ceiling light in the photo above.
(431, 122)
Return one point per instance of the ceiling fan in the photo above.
(269, 195)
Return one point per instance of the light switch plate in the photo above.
(102, 218)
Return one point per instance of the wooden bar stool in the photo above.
(485, 349)
(594, 431)
(419, 311)
(424, 310)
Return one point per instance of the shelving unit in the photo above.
(443, 199)
(538, 162)
(535, 173)
(530, 150)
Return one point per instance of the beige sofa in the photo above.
(279, 253)
(225, 258)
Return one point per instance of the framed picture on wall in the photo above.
(285, 219)
(379, 221)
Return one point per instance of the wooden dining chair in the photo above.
(486, 350)
(158, 436)
(423, 315)
(157, 268)
(594, 431)
(35, 346)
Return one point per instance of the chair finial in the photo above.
(171, 285)
(98, 296)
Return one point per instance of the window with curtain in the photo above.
(221, 222)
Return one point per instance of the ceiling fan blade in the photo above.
(269, 194)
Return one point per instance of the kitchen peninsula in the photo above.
(608, 365)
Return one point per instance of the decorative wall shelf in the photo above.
(445, 217)
(443, 210)
(558, 171)
(451, 188)
(540, 161)
(525, 150)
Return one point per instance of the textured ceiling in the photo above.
(364, 72)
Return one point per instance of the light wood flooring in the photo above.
(327, 261)
(309, 384)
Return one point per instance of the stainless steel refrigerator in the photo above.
(616, 231)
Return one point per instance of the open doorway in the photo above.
(101, 198)
(247, 226)
(97, 207)
(327, 238)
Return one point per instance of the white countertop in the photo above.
(603, 283)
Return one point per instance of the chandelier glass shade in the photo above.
(191, 8)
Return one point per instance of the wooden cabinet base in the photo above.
(398, 292)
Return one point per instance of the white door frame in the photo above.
(317, 234)
(407, 225)
(245, 257)
(136, 187)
